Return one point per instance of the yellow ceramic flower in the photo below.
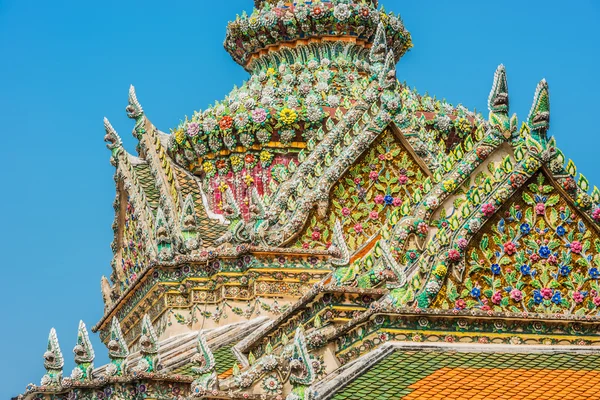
(441, 270)
(288, 116)
(265, 156)
(249, 180)
(271, 71)
(223, 186)
(449, 185)
(179, 135)
(236, 161)
(208, 167)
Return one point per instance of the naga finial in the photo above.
(112, 137)
(498, 99)
(379, 48)
(189, 225)
(387, 78)
(539, 116)
(134, 109)
(84, 356)
(204, 368)
(163, 236)
(117, 350)
(53, 362)
(149, 348)
(301, 368)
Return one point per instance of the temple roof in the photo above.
(473, 372)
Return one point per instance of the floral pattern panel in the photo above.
(537, 254)
(384, 180)
(132, 258)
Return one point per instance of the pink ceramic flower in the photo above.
(345, 211)
(510, 248)
(379, 199)
(462, 243)
(259, 115)
(553, 260)
(597, 301)
(546, 293)
(460, 304)
(358, 228)
(577, 297)
(403, 179)
(497, 297)
(374, 215)
(596, 215)
(540, 209)
(357, 181)
(454, 255)
(397, 202)
(423, 228)
(316, 235)
(576, 247)
(488, 209)
(193, 129)
(373, 175)
(516, 295)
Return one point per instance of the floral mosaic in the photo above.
(539, 254)
(384, 180)
(132, 259)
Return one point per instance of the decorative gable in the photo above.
(385, 180)
(537, 254)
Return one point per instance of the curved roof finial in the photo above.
(134, 108)
(112, 137)
(539, 115)
(498, 99)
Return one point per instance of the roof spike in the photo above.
(539, 115)
(84, 355)
(204, 368)
(387, 79)
(117, 350)
(112, 137)
(148, 348)
(379, 48)
(134, 109)
(302, 371)
(53, 361)
(498, 98)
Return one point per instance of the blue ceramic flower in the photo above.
(525, 229)
(545, 252)
(389, 200)
(594, 273)
(561, 231)
(525, 269)
(565, 270)
(556, 298)
(537, 297)
(475, 292)
(496, 269)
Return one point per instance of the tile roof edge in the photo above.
(346, 374)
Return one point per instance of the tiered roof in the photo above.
(359, 216)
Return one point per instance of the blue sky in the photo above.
(66, 64)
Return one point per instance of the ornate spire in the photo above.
(149, 348)
(498, 99)
(117, 351)
(539, 116)
(204, 368)
(53, 362)
(84, 355)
